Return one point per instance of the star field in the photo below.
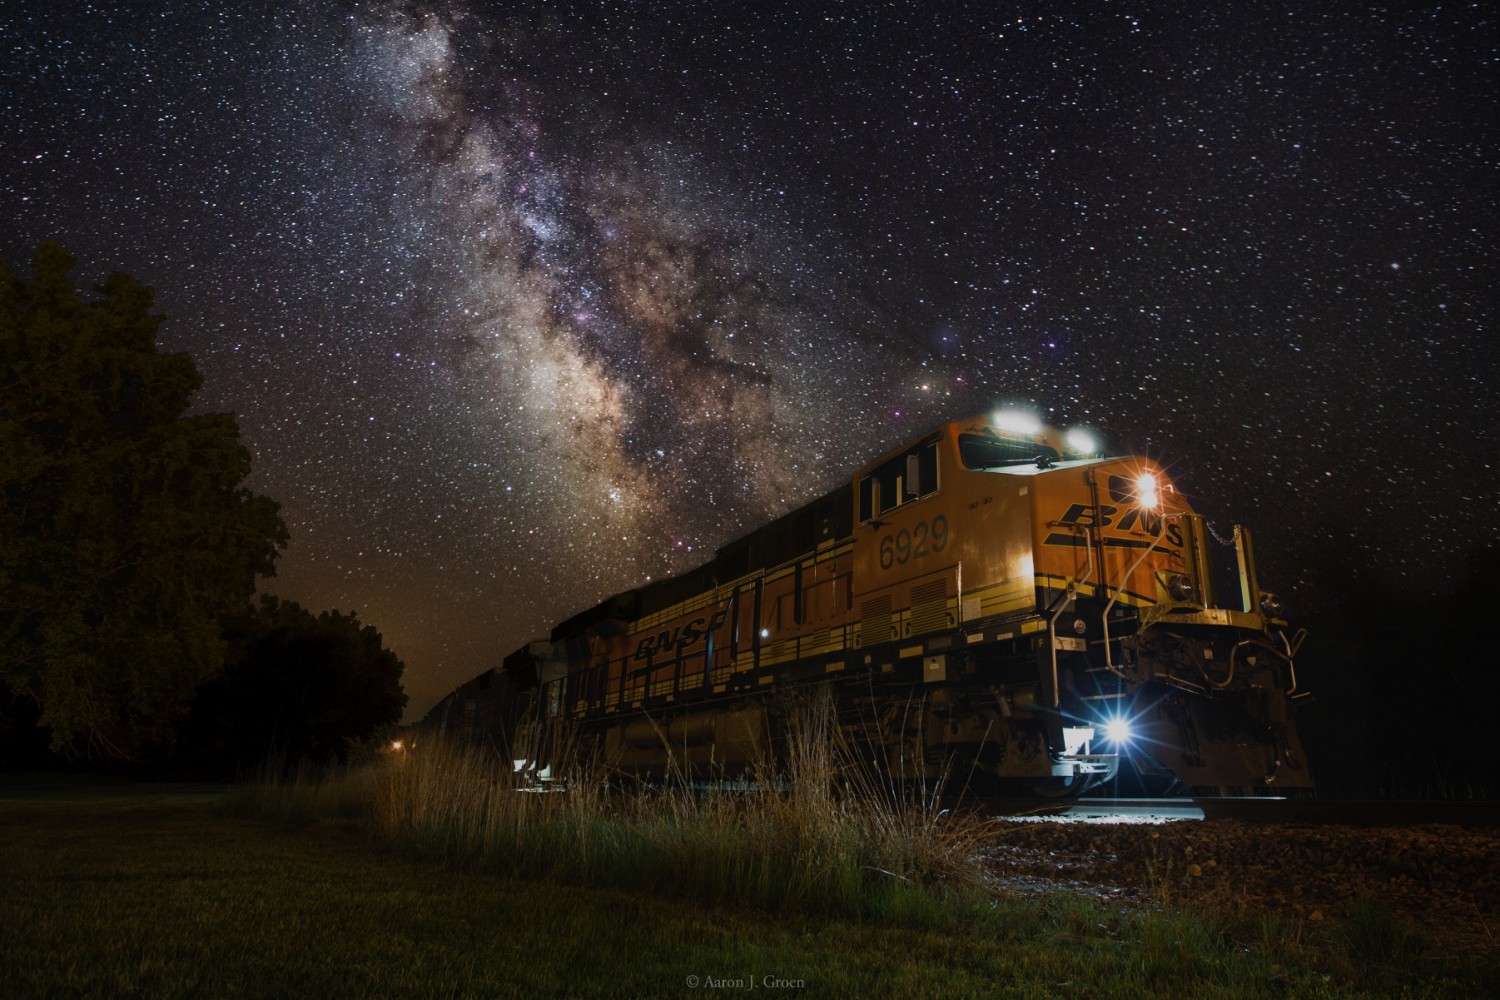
(522, 304)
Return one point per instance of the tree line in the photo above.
(130, 551)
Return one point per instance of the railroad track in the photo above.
(1259, 809)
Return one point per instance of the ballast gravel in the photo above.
(1444, 881)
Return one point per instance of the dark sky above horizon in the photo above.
(522, 304)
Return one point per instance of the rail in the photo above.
(1263, 809)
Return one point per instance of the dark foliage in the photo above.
(296, 688)
(125, 533)
(1405, 684)
(24, 744)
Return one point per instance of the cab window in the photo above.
(981, 452)
(902, 480)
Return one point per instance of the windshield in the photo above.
(982, 451)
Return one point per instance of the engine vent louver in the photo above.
(929, 607)
(875, 622)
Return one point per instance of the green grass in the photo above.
(110, 895)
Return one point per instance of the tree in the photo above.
(125, 533)
(296, 687)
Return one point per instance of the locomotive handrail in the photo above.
(1072, 593)
(1286, 657)
(1161, 532)
(1292, 646)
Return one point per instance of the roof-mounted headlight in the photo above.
(1017, 422)
(1082, 442)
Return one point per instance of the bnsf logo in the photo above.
(1084, 515)
(682, 637)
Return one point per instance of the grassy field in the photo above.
(111, 892)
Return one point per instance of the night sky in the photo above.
(521, 304)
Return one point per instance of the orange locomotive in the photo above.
(994, 602)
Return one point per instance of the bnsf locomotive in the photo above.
(995, 603)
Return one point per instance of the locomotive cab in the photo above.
(1064, 607)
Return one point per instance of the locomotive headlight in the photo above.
(1017, 422)
(1117, 730)
(1271, 605)
(1147, 493)
(1082, 442)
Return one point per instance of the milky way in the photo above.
(520, 305)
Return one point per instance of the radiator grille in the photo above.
(929, 607)
(818, 640)
(875, 621)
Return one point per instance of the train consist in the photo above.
(995, 603)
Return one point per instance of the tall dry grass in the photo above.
(824, 833)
